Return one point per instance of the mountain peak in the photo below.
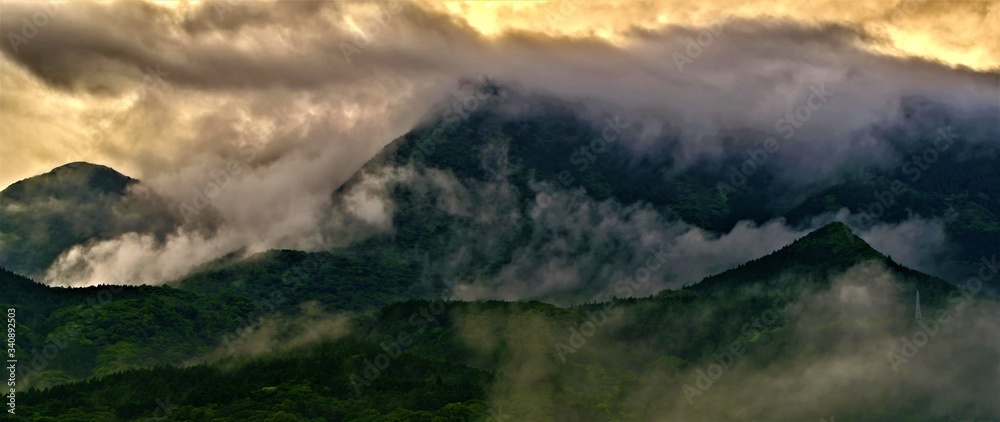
(85, 169)
(830, 228)
(827, 250)
(814, 259)
(834, 239)
(43, 216)
(69, 180)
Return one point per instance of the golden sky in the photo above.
(172, 93)
(43, 108)
(965, 33)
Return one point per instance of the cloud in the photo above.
(915, 243)
(828, 358)
(277, 333)
(285, 101)
(580, 246)
(837, 363)
(571, 248)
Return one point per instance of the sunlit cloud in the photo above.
(171, 92)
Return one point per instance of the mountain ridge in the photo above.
(825, 252)
(541, 147)
(43, 216)
(76, 175)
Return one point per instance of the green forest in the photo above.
(440, 360)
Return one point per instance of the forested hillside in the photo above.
(526, 360)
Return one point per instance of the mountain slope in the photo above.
(43, 216)
(101, 330)
(137, 326)
(315, 384)
(483, 175)
(505, 164)
(351, 280)
(69, 181)
(627, 359)
(829, 250)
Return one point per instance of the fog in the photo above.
(245, 117)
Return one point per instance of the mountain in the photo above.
(469, 204)
(346, 280)
(104, 330)
(43, 216)
(535, 361)
(946, 169)
(66, 334)
(505, 168)
(365, 278)
(482, 175)
(315, 383)
(68, 182)
(820, 255)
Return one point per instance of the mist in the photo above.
(840, 353)
(248, 157)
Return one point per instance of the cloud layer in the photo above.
(260, 110)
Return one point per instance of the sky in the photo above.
(147, 87)
(274, 105)
(281, 102)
